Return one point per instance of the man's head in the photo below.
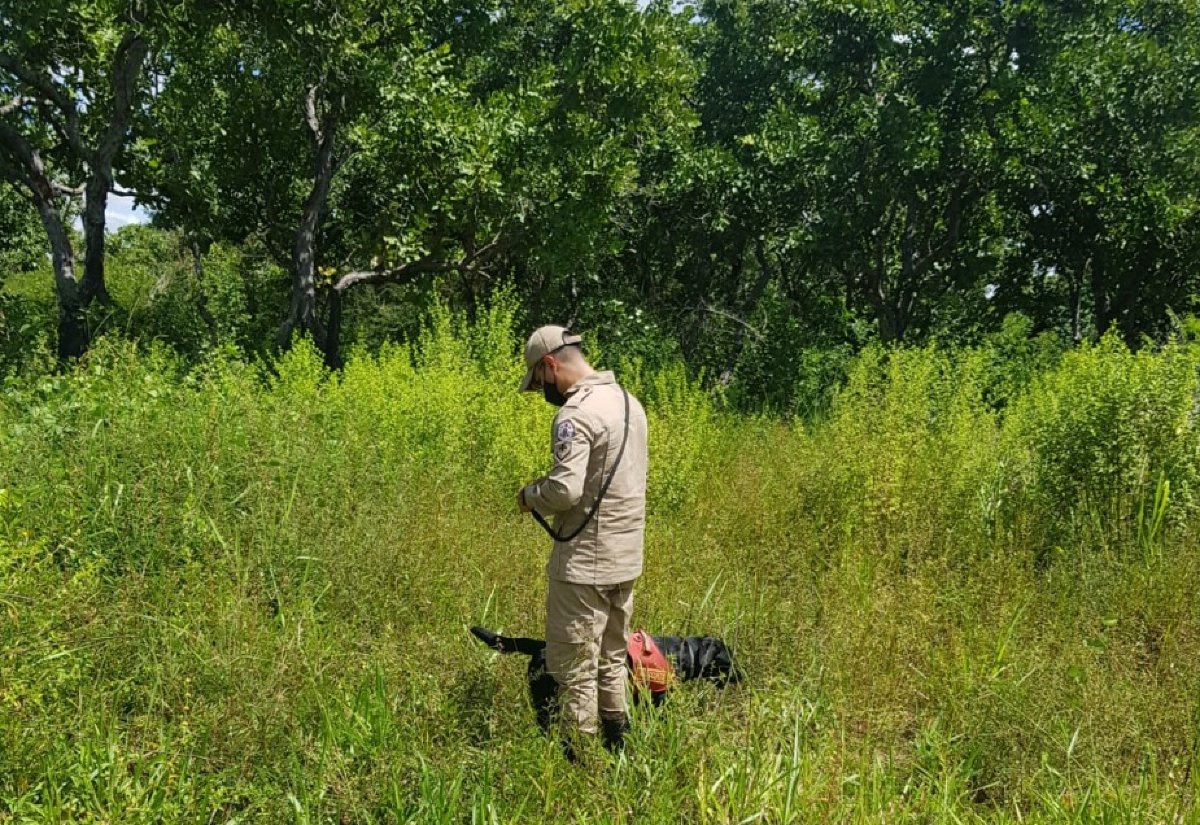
(553, 363)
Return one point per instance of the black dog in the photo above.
(691, 657)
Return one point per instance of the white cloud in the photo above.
(122, 212)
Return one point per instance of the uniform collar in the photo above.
(595, 379)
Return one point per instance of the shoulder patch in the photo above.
(565, 431)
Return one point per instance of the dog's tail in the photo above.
(508, 644)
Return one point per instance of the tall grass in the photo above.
(233, 593)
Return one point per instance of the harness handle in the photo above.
(540, 519)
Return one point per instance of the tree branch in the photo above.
(15, 104)
(16, 174)
(485, 252)
(907, 238)
(44, 85)
(877, 269)
(26, 163)
(46, 107)
(709, 308)
(127, 62)
(954, 213)
(47, 90)
(69, 191)
(310, 113)
(425, 265)
(422, 266)
(153, 199)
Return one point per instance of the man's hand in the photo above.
(521, 505)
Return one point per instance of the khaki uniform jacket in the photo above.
(585, 440)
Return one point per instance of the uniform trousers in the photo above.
(587, 628)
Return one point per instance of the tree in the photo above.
(402, 145)
(71, 74)
(720, 222)
(544, 114)
(259, 116)
(1105, 171)
(900, 112)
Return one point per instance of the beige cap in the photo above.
(544, 341)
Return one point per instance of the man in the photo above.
(596, 491)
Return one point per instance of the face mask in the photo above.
(552, 395)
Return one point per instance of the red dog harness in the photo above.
(651, 669)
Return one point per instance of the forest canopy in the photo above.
(756, 186)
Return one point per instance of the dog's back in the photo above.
(700, 657)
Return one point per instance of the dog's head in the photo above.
(508, 644)
(543, 690)
(489, 638)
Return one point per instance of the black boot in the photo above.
(614, 732)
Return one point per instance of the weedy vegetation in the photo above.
(235, 592)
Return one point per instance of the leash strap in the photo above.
(540, 519)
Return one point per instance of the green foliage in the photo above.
(26, 333)
(1103, 168)
(21, 241)
(1017, 358)
(22, 249)
(149, 274)
(788, 364)
(835, 171)
(919, 469)
(243, 291)
(228, 593)
(960, 576)
(1108, 428)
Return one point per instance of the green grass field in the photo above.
(233, 594)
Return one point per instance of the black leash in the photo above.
(540, 519)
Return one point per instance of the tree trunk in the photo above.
(210, 323)
(1101, 301)
(887, 313)
(1076, 308)
(23, 164)
(74, 296)
(891, 326)
(333, 332)
(93, 287)
(302, 314)
(573, 302)
(747, 307)
(73, 335)
(127, 64)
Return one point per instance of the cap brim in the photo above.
(527, 381)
